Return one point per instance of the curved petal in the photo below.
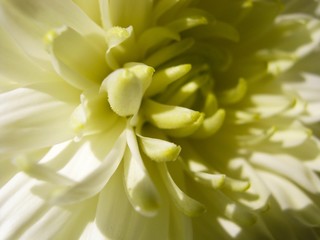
(31, 118)
(21, 19)
(76, 58)
(91, 8)
(119, 13)
(140, 189)
(292, 198)
(290, 168)
(96, 180)
(114, 211)
(183, 202)
(16, 67)
(19, 207)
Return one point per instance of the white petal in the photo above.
(17, 67)
(33, 119)
(292, 136)
(121, 46)
(183, 202)
(117, 219)
(91, 9)
(258, 193)
(141, 190)
(232, 210)
(305, 80)
(19, 207)
(180, 225)
(51, 220)
(292, 199)
(75, 57)
(76, 160)
(93, 115)
(92, 232)
(105, 16)
(71, 225)
(267, 105)
(220, 204)
(288, 167)
(86, 156)
(230, 227)
(21, 19)
(40, 172)
(97, 179)
(287, 194)
(119, 13)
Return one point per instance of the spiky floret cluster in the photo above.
(185, 118)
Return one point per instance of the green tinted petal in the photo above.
(159, 150)
(183, 202)
(169, 117)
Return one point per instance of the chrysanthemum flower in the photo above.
(159, 119)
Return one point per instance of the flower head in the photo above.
(159, 119)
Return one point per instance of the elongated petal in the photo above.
(169, 117)
(132, 80)
(186, 23)
(45, 123)
(234, 95)
(12, 56)
(16, 215)
(79, 68)
(159, 150)
(210, 125)
(290, 168)
(166, 76)
(111, 220)
(91, 9)
(93, 115)
(121, 46)
(186, 204)
(258, 187)
(141, 190)
(94, 182)
(155, 37)
(119, 13)
(20, 17)
(281, 187)
(173, 50)
(77, 160)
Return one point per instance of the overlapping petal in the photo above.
(159, 119)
